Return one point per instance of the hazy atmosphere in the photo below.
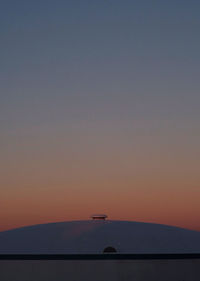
(99, 111)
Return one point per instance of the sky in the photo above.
(99, 111)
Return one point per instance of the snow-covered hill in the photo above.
(90, 237)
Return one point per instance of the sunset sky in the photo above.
(99, 111)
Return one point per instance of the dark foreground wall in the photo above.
(100, 268)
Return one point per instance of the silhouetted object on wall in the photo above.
(109, 250)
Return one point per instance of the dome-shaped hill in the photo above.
(93, 237)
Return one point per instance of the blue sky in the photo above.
(103, 82)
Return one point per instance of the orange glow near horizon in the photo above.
(57, 205)
(125, 181)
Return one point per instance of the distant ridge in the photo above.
(93, 236)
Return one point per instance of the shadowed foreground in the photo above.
(106, 267)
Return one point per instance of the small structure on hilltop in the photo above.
(99, 217)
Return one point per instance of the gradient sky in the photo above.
(99, 111)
